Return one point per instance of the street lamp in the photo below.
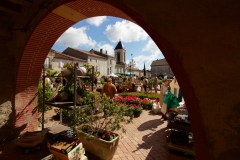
(131, 64)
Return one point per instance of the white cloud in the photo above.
(152, 47)
(126, 32)
(106, 47)
(75, 37)
(96, 21)
(147, 59)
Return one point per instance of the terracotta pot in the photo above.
(105, 150)
(66, 72)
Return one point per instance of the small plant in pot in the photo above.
(96, 130)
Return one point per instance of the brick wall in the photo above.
(30, 68)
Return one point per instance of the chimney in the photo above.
(106, 51)
(101, 51)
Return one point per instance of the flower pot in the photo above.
(105, 150)
(66, 72)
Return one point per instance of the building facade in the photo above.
(160, 67)
(111, 61)
(102, 62)
(55, 60)
(99, 62)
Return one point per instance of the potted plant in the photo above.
(97, 131)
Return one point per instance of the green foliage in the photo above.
(88, 81)
(150, 82)
(69, 65)
(147, 105)
(48, 94)
(115, 117)
(51, 72)
(160, 81)
(141, 95)
(102, 80)
(138, 111)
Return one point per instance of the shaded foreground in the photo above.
(145, 139)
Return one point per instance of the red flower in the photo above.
(103, 136)
(107, 133)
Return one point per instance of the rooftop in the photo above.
(119, 46)
(84, 52)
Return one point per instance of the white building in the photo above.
(55, 60)
(111, 61)
(102, 62)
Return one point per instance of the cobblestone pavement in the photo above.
(145, 139)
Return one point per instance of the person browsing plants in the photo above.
(155, 82)
(109, 89)
(145, 83)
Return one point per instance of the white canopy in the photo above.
(112, 75)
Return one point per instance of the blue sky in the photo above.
(104, 32)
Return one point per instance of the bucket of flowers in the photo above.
(136, 108)
(146, 103)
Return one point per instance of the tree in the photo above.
(144, 70)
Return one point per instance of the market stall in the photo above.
(180, 137)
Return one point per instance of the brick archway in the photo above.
(54, 24)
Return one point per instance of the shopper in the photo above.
(164, 91)
(134, 80)
(145, 83)
(155, 82)
(109, 89)
(95, 80)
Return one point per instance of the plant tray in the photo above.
(75, 154)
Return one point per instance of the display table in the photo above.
(180, 137)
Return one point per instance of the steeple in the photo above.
(119, 45)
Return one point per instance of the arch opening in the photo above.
(59, 20)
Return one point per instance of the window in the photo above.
(110, 61)
(60, 64)
(110, 70)
(47, 63)
(90, 60)
(118, 56)
(96, 69)
(96, 60)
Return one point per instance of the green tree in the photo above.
(48, 94)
